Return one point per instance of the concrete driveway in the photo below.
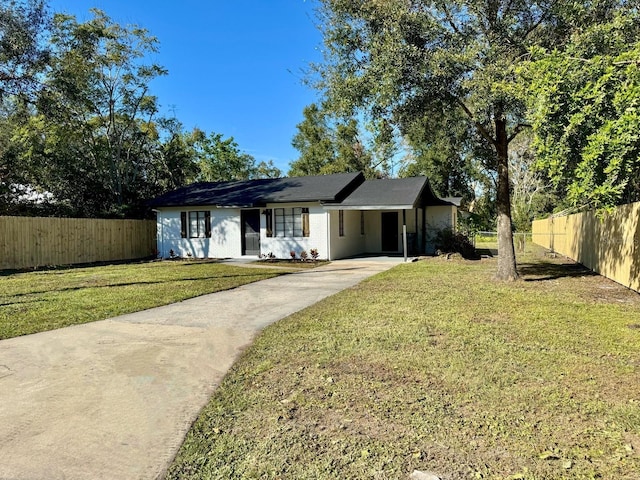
(114, 399)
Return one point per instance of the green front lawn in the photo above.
(434, 366)
(44, 300)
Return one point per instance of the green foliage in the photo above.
(441, 149)
(222, 160)
(451, 241)
(584, 102)
(23, 54)
(314, 143)
(328, 146)
(408, 61)
(93, 137)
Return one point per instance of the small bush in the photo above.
(449, 241)
(269, 257)
(303, 256)
(314, 254)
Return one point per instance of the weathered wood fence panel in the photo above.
(608, 245)
(29, 242)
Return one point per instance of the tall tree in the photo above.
(329, 145)
(404, 59)
(23, 49)
(97, 119)
(314, 142)
(531, 192)
(177, 155)
(585, 108)
(221, 159)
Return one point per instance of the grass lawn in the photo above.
(44, 300)
(434, 366)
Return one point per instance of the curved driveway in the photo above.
(114, 399)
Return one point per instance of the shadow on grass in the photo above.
(551, 271)
(131, 284)
(487, 252)
(61, 269)
(11, 304)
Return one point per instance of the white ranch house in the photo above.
(340, 215)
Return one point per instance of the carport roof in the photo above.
(390, 194)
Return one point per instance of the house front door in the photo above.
(389, 231)
(250, 232)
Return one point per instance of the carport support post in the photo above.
(404, 233)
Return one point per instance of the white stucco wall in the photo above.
(225, 238)
(353, 242)
(226, 232)
(282, 246)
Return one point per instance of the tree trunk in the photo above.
(506, 253)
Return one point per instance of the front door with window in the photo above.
(250, 232)
(390, 231)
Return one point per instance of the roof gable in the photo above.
(392, 193)
(256, 193)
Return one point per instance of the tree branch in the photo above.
(483, 131)
(449, 18)
(517, 130)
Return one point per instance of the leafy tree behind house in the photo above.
(329, 145)
(221, 159)
(92, 138)
(94, 135)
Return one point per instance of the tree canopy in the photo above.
(585, 101)
(81, 132)
(23, 52)
(410, 60)
(329, 145)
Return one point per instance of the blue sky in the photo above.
(235, 66)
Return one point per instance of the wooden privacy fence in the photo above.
(29, 242)
(607, 244)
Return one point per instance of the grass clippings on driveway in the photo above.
(434, 366)
(33, 302)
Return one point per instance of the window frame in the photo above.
(202, 222)
(341, 223)
(290, 222)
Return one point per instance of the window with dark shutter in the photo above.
(268, 214)
(183, 224)
(305, 222)
(207, 224)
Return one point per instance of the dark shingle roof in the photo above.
(392, 193)
(255, 193)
